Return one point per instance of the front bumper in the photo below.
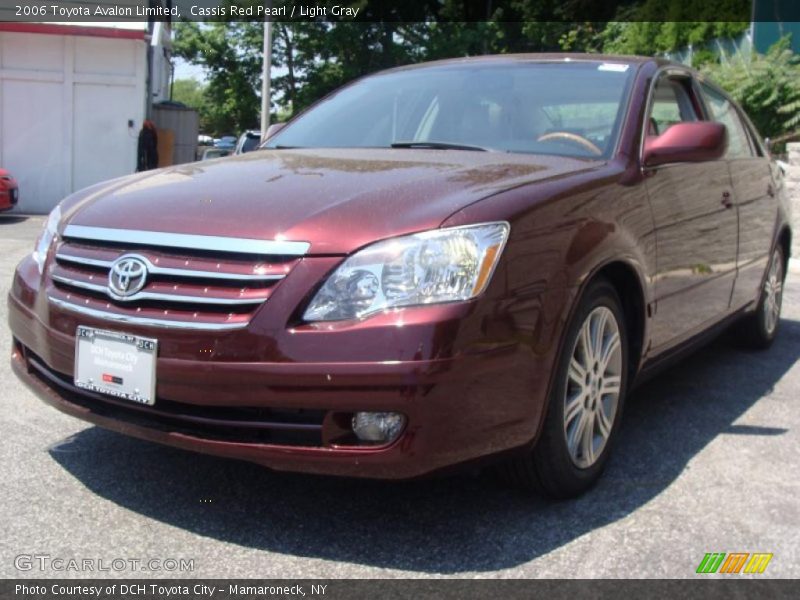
(292, 415)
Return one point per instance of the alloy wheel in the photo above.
(773, 293)
(592, 392)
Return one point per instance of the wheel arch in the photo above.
(626, 278)
(627, 282)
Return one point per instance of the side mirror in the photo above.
(696, 141)
(273, 129)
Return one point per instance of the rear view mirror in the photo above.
(696, 141)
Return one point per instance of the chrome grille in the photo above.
(192, 281)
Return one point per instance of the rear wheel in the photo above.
(759, 329)
(585, 404)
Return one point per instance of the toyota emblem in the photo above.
(127, 277)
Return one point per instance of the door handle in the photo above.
(726, 200)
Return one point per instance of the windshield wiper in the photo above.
(440, 146)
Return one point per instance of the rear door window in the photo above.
(723, 111)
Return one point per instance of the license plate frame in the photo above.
(121, 365)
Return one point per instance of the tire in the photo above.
(758, 330)
(558, 468)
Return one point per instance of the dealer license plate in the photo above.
(117, 364)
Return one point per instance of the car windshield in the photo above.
(562, 108)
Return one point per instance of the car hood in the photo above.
(336, 199)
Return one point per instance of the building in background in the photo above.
(73, 98)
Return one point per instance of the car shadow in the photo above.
(445, 525)
(11, 219)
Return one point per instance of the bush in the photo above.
(767, 87)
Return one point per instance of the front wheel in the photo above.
(585, 403)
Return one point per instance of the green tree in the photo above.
(767, 87)
(228, 52)
(649, 38)
(658, 26)
(189, 92)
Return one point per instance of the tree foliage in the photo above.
(231, 57)
(189, 92)
(649, 38)
(766, 86)
(657, 26)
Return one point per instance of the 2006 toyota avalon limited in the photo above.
(434, 265)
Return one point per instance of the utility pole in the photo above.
(265, 70)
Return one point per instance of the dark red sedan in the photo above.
(9, 191)
(433, 266)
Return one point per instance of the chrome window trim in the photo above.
(156, 270)
(187, 241)
(669, 70)
(144, 321)
(625, 115)
(102, 289)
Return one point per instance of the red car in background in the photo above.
(9, 192)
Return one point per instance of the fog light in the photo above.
(378, 427)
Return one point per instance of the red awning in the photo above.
(59, 29)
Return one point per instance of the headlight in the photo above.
(46, 237)
(443, 265)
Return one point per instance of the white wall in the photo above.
(161, 69)
(65, 104)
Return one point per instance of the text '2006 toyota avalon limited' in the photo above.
(433, 265)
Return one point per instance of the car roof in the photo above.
(539, 57)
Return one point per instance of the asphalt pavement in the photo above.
(707, 462)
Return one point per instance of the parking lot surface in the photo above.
(707, 462)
